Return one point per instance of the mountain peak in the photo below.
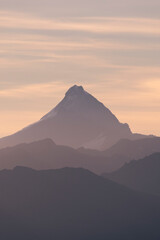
(74, 90)
(78, 120)
(78, 101)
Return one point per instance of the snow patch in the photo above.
(96, 143)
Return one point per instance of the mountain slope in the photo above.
(73, 204)
(125, 151)
(142, 175)
(78, 120)
(45, 154)
(134, 149)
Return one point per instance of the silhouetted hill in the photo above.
(142, 175)
(134, 149)
(73, 204)
(45, 154)
(79, 120)
(125, 151)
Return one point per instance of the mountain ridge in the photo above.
(142, 175)
(45, 154)
(79, 120)
(73, 204)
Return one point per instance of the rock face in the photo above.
(78, 120)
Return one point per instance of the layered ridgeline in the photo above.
(78, 120)
(73, 204)
(142, 175)
(45, 154)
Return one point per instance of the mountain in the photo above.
(79, 120)
(125, 150)
(134, 149)
(73, 204)
(142, 175)
(45, 154)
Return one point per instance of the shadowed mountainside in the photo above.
(45, 154)
(134, 149)
(73, 204)
(126, 150)
(142, 175)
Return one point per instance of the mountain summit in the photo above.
(79, 102)
(79, 120)
(75, 90)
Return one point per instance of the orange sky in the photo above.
(111, 49)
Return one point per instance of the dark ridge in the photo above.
(73, 204)
(142, 175)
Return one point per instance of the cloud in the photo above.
(41, 55)
(87, 8)
(19, 120)
(143, 94)
(33, 90)
(96, 25)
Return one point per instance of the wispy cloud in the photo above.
(34, 90)
(115, 58)
(96, 25)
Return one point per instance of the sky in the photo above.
(111, 48)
